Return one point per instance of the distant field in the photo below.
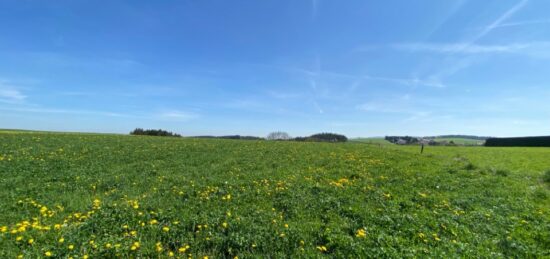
(105, 196)
(461, 141)
(381, 141)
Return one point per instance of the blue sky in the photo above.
(361, 68)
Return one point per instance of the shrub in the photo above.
(152, 132)
(328, 137)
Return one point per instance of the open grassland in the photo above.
(71, 195)
(461, 141)
(375, 141)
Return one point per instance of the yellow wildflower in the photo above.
(322, 248)
(361, 233)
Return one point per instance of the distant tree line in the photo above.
(232, 137)
(519, 142)
(277, 135)
(153, 132)
(323, 137)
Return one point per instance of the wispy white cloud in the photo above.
(177, 115)
(284, 95)
(10, 93)
(431, 82)
(523, 23)
(314, 8)
(536, 50)
(64, 111)
(412, 113)
(500, 20)
(466, 48)
(357, 80)
(470, 48)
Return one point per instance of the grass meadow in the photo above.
(104, 196)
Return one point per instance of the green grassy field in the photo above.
(461, 141)
(376, 141)
(97, 196)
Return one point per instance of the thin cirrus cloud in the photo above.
(62, 111)
(470, 46)
(522, 23)
(532, 49)
(178, 115)
(465, 48)
(10, 94)
(500, 20)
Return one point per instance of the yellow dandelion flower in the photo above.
(48, 254)
(224, 225)
(70, 247)
(30, 241)
(165, 229)
(361, 233)
(158, 247)
(61, 240)
(322, 248)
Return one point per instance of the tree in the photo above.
(329, 137)
(152, 132)
(278, 135)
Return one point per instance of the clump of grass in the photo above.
(452, 170)
(546, 176)
(469, 166)
(501, 171)
(540, 194)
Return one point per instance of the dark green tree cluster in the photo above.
(232, 137)
(153, 132)
(323, 137)
(519, 142)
